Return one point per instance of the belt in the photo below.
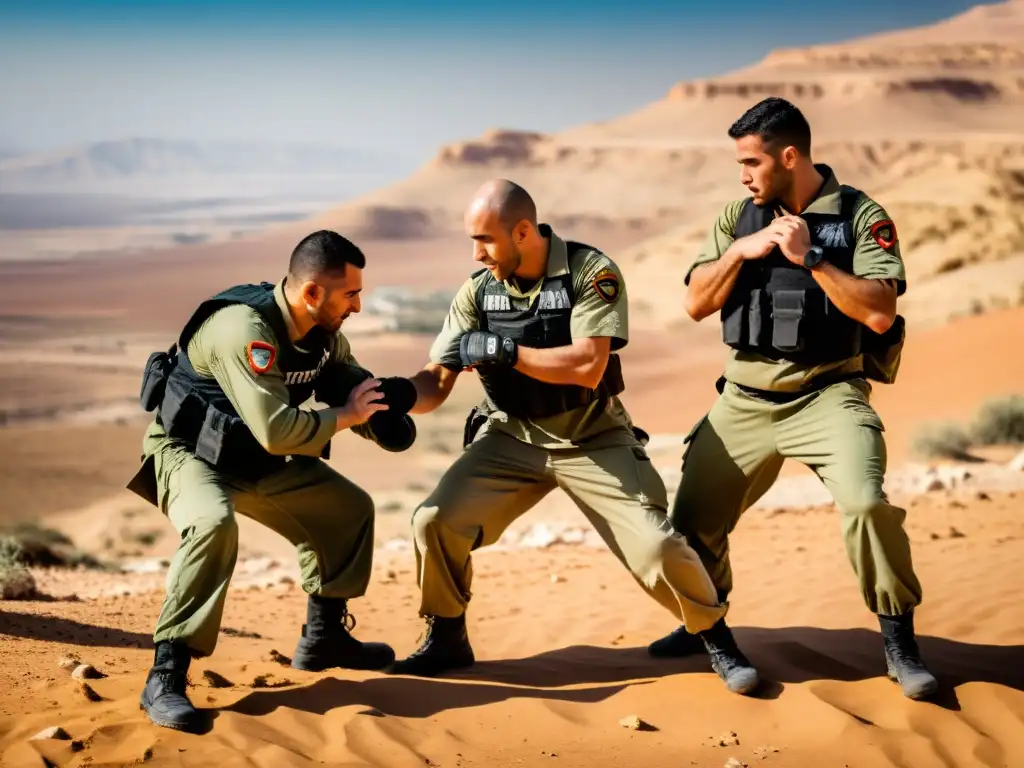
(780, 398)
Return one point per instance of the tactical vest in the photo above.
(195, 409)
(777, 310)
(543, 324)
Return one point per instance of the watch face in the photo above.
(814, 256)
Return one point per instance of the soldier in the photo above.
(806, 273)
(229, 436)
(540, 323)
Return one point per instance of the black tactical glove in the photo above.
(393, 432)
(480, 347)
(399, 394)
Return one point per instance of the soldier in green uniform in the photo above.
(229, 436)
(806, 273)
(541, 323)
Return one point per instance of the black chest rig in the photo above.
(777, 310)
(542, 324)
(195, 409)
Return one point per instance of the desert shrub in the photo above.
(16, 582)
(942, 441)
(33, 545)
(1000, 422)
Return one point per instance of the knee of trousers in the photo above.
(866, 506)
(428, 524)
(220, 531)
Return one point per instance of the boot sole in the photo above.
(314, 664)
(174, 725)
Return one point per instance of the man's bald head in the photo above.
(506, 200)
(502, 219)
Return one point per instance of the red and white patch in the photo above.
(261, 356)
(884, 233)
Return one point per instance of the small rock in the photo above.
(389, 578)
(268, 681)
(932, 484)
(956, 534)
(735, 762)
(555, 578)
(68, 663)
(284, 578)
(728, 739)
(88, 691)
(280, 658)
(763, 752)
(618, 639)
(86, 672)
(215, 679)
(634, 723)
(982, 496)
(55, 732)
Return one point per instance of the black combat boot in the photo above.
(446, 646)
(676, 644)
(728, 660)
(326, 642)
(903, 659)
(163, 698)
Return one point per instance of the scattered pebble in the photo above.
(634, 723)
(68, 663)
(555, 578)
(216, 680)
(735, 762)
(727, 739)
(54, 732)
(763, 752)
(280, 658)
(88, 691)
(86, 672)
(268, 681)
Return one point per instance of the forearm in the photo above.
(710, 285)
(433, 385)
(866, 300)
(289, 430)
(581, 363)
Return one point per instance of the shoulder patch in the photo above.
(261, 356)
(884, 233)
(606, 283)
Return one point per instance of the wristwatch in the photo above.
(814, 257)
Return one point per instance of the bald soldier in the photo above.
(805, 272)
(540, 324)
(229, 436)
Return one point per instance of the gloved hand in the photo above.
(479, 347)
(393, 432)
(399, 394)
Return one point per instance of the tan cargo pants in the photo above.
(498, 478)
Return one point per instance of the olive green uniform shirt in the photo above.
(219, 349)
(870, 260)
(600, 424)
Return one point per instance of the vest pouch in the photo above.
(787, 320)
(758, 317)
(154, 378)
(213, 436)
(883, 352)
(182, 409)
(734, 323)
(474, 421)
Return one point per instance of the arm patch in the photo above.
(884, 233)
(261, 356)
(606, 284)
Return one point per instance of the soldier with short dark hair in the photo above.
(229, 436)
(805, 272)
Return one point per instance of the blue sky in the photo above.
(404, 77)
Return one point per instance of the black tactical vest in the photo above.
(776, 309)
(196, 410)
(542, 325)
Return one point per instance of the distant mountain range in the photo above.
(154, 159)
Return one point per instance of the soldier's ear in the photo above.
(312, 293)
(789, 156)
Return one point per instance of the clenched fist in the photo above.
(480, 347)
(792, 236)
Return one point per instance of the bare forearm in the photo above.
(581, 363)
(433, 385)
(710, 285)
(868, 301)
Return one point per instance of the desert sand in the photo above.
(558, 627)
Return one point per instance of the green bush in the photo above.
(1000, 422)
(942, 441)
